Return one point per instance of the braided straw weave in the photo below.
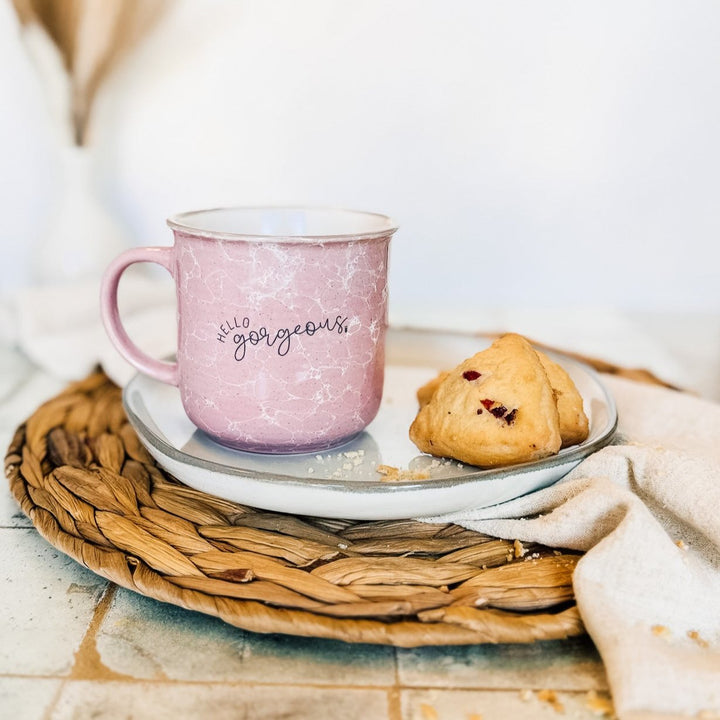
(91, 489)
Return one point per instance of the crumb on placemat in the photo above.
(661, 631)
(599, 704)
(519, 549)
(550, 697)
(695, 635)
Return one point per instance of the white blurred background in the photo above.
(556, 157)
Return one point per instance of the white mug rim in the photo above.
(188, 223)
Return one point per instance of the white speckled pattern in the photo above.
(282, 315)
(281, 344)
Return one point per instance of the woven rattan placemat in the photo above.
(91, 489)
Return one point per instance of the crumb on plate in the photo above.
(392, 474)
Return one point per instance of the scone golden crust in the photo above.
(574, 427)
(496, 408)
(425, 393)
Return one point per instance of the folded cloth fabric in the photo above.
(58, 326)
(646, 510)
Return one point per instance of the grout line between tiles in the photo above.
(394, 704)
(87, 664)
(47, 715)
(394, 694)
(391, 690)
(394, 709)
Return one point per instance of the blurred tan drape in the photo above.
(92, 36)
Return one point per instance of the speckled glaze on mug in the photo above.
(282, 314)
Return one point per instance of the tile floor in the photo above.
(75, 646)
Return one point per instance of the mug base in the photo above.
(316, 446)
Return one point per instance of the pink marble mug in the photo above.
(282, 314)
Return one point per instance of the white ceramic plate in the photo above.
(344, 482)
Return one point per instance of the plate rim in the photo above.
(573, 454)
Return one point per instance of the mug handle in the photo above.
(163, 371)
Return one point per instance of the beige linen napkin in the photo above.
(647, 511)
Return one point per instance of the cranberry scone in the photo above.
(496, 408)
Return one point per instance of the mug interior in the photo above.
(283, 223)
